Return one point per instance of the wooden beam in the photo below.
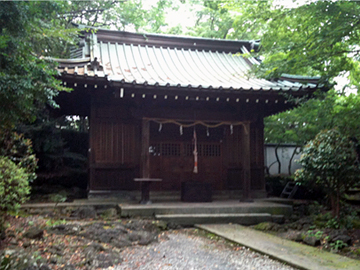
(145, 143)
(246, 164)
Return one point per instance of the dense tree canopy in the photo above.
(212, 21)
(26, 80)
(326, 111)
(130, 15)
(317, 38)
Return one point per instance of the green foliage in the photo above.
(325, 111)
(58, 197)
(315, 233)
(19, 150)
(27, 80)
(313, 38)
(130, 15)
(337, 245)
(333, 223)
(324, 219)
(212, 21)
(14, 186)
(47, 143)
(330, 162)
(55, 222)
(356, 223)
(250, 18)
(57, 146)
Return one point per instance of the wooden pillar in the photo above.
(145, 144)
(260, 153)
(92, 150)
(246, 163)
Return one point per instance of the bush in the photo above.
(330, 162)
(19, 150)
(14, 186)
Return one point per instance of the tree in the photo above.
(124, 15)
(325, 111)
(330, 162)
(28, 32)
(27, 81)
(212, 21)
(317, 38)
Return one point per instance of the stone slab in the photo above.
(216, 207)
(295, 254)
(191, 219)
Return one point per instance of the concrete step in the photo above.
(191, 219)
(232, 207)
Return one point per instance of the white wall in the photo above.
(285, 152)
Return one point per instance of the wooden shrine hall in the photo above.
(176, 109)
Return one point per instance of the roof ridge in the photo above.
(171, 41)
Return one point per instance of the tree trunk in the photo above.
(335, 205)
(337, 202)
(277, 158)
(291, 159)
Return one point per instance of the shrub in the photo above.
(19, 150)
(330, 162)
(14, 186)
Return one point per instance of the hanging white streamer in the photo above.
(207, 131)
(160, 127)
(181, 130)
(231, 129)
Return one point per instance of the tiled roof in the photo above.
(119, 56)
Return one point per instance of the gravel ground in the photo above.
(184, 250)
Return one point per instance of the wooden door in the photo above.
(174, 163)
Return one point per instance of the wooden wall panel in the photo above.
(114, 142)
(174, 163)
(257, 156)
(115, 145)
(114, 179)
(233, 157)
(233, 148)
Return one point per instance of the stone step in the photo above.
(233, 207)
(164, 196)
(191, 219)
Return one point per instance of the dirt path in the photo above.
(185, 250)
